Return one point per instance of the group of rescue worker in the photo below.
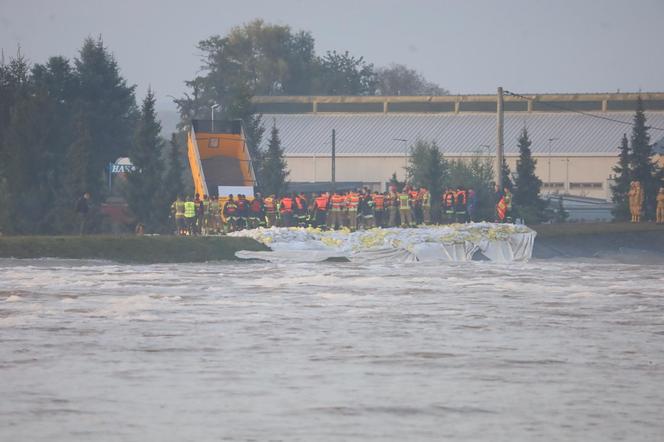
(357, 209)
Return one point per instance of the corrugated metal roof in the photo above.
(374, 134)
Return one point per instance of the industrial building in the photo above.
(575, 137)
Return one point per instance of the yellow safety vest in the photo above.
(426, 200)
(179, 208)
(189, 209)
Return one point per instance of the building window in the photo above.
(553, 185)
(586, 186)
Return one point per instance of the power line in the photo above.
(587, 114)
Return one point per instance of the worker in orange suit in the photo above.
(660, 206)
(635, 195)
(352, 204)
(320, 209)
(335, 216)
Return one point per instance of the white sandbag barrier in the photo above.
(449, 243)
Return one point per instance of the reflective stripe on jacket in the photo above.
(189, 209)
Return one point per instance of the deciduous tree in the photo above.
(397, 79)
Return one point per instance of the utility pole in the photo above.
(334, 160)
(405, 157)
(551, 140)
(500, 146)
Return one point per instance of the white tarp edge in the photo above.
(450, 243)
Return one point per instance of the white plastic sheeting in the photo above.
(450, 243)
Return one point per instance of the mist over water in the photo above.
(546, 350)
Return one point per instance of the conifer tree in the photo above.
(527, 186)
(620, 188)
(642, 165)
(173, 184)
(80, 176)
(108, 104)
(145, 194)
(394, 182)
(507, 175)
(427, 167)
(274, 171)
(14, 88)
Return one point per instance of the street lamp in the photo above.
(212, 109)
(405, 152)
(551, 140)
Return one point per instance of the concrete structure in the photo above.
(583, 209)
(575, 136)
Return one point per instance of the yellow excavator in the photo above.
(219, 158)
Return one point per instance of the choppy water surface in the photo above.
(258, 351)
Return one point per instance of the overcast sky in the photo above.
(468, 47)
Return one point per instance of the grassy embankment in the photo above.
(553, 240)
(128, 249)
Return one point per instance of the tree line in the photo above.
(427, 167)
(63, 121)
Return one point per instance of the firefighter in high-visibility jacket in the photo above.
(286, 210)
(405, 212)
(415, 206)
(205, 215)
(508, 204)
(425, 198)
(334, 217)
(300, 209)
(177, 211)
(242, 213)
(448, 205)
(230, 214)
(352, 204)
(215, 215)
(366, 210)
(190, 216)
(256, 210)
(320, 209)
(392, 204)
(270, 204)
(379, 208)
(460, 205)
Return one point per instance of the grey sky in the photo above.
(465, 46)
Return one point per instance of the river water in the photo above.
(545, 350)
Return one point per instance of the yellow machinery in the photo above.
(219, 156)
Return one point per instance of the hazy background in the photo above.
(464, 46)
